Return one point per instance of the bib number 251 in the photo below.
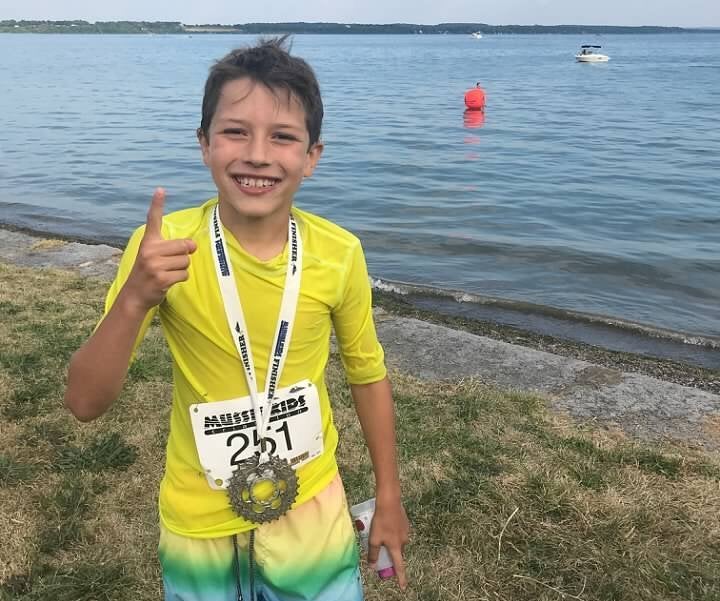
(246, 441)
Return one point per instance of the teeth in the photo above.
(252, 182)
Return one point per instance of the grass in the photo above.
(13, 472)
(507, 501)
(64, 509)
(105, 451)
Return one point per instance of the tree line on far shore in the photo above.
(176, 27)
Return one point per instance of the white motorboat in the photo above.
(476, 34)
(587, 54)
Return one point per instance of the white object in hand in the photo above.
(362, 515)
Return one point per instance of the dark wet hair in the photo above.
(270, 64)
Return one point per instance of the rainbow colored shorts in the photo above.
(309, 553)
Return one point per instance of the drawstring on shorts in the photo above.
(251, 566)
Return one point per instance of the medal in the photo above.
(263, 487)
(262, 492)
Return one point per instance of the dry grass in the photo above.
(506, 501)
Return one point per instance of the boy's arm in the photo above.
(390, 527)
(98, 369)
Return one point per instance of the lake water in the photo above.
(589, 188)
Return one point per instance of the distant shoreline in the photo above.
(176, 27)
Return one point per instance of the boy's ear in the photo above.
(203, 145)
(313, 158)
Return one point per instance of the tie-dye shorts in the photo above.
(309, 553)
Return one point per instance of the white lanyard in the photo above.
(236, 317)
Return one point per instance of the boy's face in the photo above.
(257, 151)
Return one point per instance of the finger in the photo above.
(191, 245)
(399, 565)
(153, 226)
(170, 278)
(170, 248)
(372, 556)
(173, 263)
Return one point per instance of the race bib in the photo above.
(226, 432)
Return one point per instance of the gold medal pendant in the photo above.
(262, 492)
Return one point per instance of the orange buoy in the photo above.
(475, 98)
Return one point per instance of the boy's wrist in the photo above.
(388, 493)
(130, 306)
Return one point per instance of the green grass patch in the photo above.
(634, 454)
(14, 472)
(49, 306)
(30, 399)
(649, 460)
(151, 362)
(53, 432)
(64, 510)
(10, 309)
(55, 337)
(96, 579)
(21, 364)
(105, 451)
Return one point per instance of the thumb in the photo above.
(153, 225)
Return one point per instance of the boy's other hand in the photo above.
(390, 527)
(159, 263)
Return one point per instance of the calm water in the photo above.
(591, 188)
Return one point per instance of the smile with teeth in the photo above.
(255, 182)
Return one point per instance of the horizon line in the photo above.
(399, 23)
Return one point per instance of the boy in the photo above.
(251, 504)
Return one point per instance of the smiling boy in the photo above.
(248, 288)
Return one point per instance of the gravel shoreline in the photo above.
(662, 369)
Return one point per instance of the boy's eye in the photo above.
(284, 137)
(234, 131)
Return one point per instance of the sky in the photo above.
(682, 13)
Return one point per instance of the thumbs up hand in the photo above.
(159, 263)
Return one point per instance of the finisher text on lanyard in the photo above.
(263, 487)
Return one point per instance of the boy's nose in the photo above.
(257, 152)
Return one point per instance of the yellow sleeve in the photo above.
(126, 264)
(361, 352)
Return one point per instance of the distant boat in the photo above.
(477, 35)
(587, 54)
